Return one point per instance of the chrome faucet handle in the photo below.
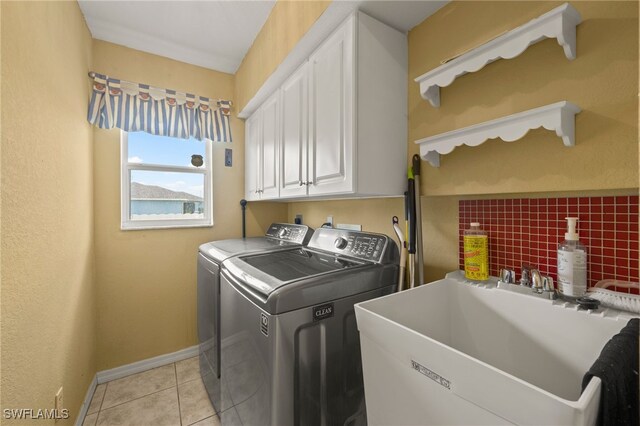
(508, 276)
(549, 287)
(536, 281)
(525, 279)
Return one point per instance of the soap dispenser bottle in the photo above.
(572, 263)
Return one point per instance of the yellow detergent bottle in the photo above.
(476, 253)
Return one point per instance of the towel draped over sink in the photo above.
(617, 367)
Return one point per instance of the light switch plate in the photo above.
(228, 157)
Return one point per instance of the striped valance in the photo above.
(137, 107)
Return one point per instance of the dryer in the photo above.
(290, 344)
(279, 236)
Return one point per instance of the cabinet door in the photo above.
(270, 136)
(331, 139)
(252, 130)
(293, 152)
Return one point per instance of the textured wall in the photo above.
(147, 279)
(48, 293)
(288, 22)
(602, 80)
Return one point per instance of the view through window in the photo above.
(166, 181)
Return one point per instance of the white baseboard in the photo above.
(87, 401)
(146, 364)
(129, 369)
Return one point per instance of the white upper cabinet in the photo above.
(270, 146)
(262, 134)
(295, 118)
(331, 115)
(341, 129)
(252, 155)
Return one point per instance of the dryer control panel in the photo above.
(367, 247)
(361, 245)
(300, 234)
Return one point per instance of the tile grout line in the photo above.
(141, 396)
(137, 398)
(175, 371)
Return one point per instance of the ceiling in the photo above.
(211, 34)
(402, 15)
(216, 34)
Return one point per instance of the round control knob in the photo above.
(340, 243)
(282, 233)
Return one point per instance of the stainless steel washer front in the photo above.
(290, 345)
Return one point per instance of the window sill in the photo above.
(144, 227)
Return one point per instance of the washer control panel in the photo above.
(290, 232)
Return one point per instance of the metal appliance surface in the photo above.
(279, 236)
(290, 345)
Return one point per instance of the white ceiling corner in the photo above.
(211, 34)
(402, 15)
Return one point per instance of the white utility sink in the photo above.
(452, 352)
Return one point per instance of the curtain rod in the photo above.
(93, 74)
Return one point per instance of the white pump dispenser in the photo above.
(572, 262)
(571, 235)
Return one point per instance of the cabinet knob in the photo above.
(301, 183)
(309, 182)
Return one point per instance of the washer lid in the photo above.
(279, 235)
(264, 273)
(224, 249)
(291, 265)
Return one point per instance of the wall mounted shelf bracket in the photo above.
(559, 117)
(558, 23)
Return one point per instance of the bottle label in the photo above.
(476, 257)
(572, 272)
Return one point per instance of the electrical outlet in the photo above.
(330, 220)
(348, 226)
(59, 403)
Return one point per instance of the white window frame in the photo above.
(126, 224)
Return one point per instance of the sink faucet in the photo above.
(541, 285)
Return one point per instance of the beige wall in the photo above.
(603, 81)
(288, 22)
(48, 295)
(60, 179)
(147, 279)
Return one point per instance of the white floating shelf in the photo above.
(558, 23)
(559, 117)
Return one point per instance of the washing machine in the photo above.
(290, 345)
(279, 236)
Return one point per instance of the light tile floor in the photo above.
(171, 395)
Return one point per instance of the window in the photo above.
(166, 182)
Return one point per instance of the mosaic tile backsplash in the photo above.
(529, 230)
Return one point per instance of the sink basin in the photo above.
(453, 352)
